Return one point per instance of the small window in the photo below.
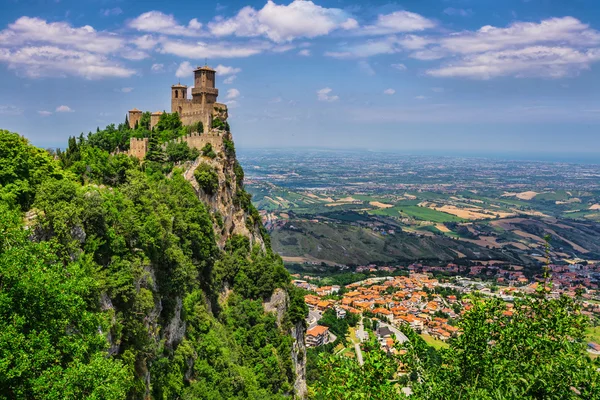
(176, 94)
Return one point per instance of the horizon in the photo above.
(454, 76)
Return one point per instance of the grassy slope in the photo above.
(347, 244)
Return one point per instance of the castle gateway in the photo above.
(202, 107)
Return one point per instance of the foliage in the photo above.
(219, 124)
(51, 331)
(207, 178)
(344, 378)
(537, 352)
(338, 326)
(207, 151)
(229, 147)
(180, 151)
(22, 169)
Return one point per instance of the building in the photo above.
(317, 336)
(202, 107)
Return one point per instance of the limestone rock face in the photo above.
(222, 202)
(278, 304)
(299, 359)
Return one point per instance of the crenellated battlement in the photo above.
(139, 147)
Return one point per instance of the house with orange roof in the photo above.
(317, 336)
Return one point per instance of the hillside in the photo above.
(346, 244)
(129, 279)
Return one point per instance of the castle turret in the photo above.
(178, 98)
(154, 118)
(134, 117)
(204, 91)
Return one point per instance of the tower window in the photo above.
(176, 94)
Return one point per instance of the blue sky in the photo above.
(450, 76)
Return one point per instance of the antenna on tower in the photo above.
(205, 62)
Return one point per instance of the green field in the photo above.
(593, 334)
(427, 214)
(433, 342)
(416, 212)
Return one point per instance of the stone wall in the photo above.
(139, 147)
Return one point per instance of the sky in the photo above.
(446, 76)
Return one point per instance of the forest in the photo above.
(113, 285)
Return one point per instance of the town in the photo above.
(432, 299)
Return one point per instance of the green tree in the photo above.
(23, 168)
(52, 343)
(537, 351)
(207, 178)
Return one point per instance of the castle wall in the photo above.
(138, 147)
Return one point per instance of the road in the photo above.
(359, 356)
(360, 334)
(313, 317)
(400, 337)
(360, 331)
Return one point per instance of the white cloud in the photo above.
(399, 67)
(145, 42)
(281, 23)
(52, 61)
(26, 30)
(232, 94)
(437, 89)
(396, 22)
(157, 68)
(10, 110)
(566, 30)
(44, 113)
(552, 48)
(229, 80)
(126, 90)
(536, 61)
(389, 92)
(111, 11)
(458, 11)
(158, 22)
(201, 50)
(413, 42)
(366, 67)
(232, 104)
(33, 47)
(304, 52)
(225, 70)
(421, 97)
(366, 49)
(184, 70)
(63, 109)
(325, 95)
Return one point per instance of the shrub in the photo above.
(207, 178)
(208, 151)
(229, 147)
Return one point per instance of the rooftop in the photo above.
(317, 330)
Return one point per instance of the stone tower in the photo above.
(204, 91)
(178, 98)
(134, 117)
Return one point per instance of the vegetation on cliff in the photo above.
(113, 285)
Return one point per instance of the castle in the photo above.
(202, 107)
